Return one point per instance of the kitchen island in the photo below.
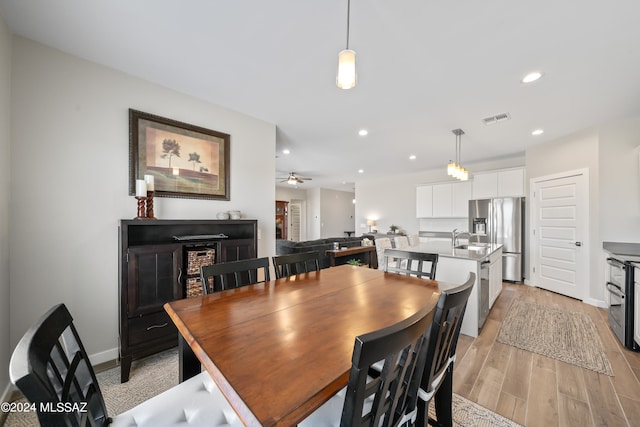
(455, 264)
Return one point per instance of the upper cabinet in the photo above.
(424, 201)
(502, 183)
(450, 200)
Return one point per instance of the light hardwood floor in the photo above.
(535, 390)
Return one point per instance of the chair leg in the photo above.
(443, 399)
(423, 413)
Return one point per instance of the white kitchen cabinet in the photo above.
(511, 183)
(447, 200)
(495, 276)
(453, 270)
(460, 196)
(636, 302)
(442, 200)
(424, 201)
(501, 183)
(485, 185)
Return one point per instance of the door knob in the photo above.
(577, 243)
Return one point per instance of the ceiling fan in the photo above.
(293, 179)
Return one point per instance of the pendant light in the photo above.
(346, 77)
(454, 169)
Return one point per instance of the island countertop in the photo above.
(444, 249)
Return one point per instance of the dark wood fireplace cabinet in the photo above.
(159, 262)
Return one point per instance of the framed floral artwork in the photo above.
(185, 160)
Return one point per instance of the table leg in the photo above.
(189, 365)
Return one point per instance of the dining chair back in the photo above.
(52, 370)
(440, 354)
(419, 264)
(400, 242)
(414, 240)
(298, 263)
(382, 244)
(234, 274)
(387, 399)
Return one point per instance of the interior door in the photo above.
(295, 220)
(560, 221)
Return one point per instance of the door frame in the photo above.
(584, 193)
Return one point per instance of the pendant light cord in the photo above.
(348, 20)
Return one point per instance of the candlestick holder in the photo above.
(142, 213)
(150, 214)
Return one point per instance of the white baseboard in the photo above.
(104, 356)
(595, 302)
(591, 301)
(7, 396)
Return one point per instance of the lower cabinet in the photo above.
(636, 306)
(154, 269)
(495, 276)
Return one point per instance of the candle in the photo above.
(141, 188)
(149, 180)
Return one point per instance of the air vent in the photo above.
(496, 119)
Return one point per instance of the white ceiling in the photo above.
(424, 69)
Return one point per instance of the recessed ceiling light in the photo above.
(363, 132)
(412, 157)
(360, 170)
(531, 77)
(537, 132)
(285, 151)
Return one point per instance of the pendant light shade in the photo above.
(346, 76)
(454, 169)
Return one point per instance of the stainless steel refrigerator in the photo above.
(501, 220)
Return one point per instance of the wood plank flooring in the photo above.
(535, 390)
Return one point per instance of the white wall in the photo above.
(337, 212)
(5, 98)
(619, 201)
(612, 154)
(314, 214)
(573, 152)
(69, 183)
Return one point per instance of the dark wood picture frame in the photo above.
(187, 161)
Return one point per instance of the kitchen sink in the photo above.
(473, 247)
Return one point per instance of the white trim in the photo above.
(596, 302)
(104, 356)
(7, 396)
(8, 392)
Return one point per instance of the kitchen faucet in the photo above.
(455, 236)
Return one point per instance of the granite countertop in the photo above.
(444, 249)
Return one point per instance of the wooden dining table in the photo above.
(278, 350)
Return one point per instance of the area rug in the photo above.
(157, 373)
(469, 414)
(568, 336)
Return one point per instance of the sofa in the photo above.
(286, 247)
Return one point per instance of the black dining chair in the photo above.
(410, 263)
(234, 274)
(390, 398)
(440, 355)
(52, 370)
(298, 263)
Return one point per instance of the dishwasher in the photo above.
(483, 308)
